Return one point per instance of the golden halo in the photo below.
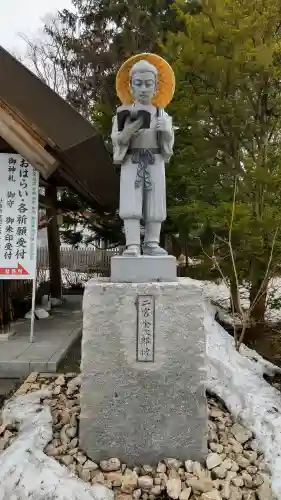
(166, 80)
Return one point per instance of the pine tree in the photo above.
(110, 32)
(228, 108)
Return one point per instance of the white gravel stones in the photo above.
(238, 380)
(213, 460)
(90, 465)
(60, 381)
(200, 484)
(240, 433)
(145, 482)
(174, 488)
(242, 461)
(185, 494)
(189, 466)
(172, 463)
(235, 469)
(220, 472)
(264, 492)
(25, 470)
(161, 468)
(115, 478)
(110, 465)
(211, 495)
(130, 482)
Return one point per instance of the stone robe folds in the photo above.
(139, 202)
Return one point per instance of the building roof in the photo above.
(59, 142)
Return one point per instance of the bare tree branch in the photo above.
(244, 315)
(47, 56)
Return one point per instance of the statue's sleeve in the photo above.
(168, 140)
(120, 147)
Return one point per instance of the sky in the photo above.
(24, 16)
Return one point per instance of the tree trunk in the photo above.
(234, 295)
(176, 246)
(258, 298)
(186, 253)
(54, 245)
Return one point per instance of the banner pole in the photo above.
(32, 309)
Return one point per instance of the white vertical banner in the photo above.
(19, 192)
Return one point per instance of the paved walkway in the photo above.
(53, 337)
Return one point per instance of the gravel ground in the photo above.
(234, 469)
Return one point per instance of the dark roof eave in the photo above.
(78, 169)
(86, 163)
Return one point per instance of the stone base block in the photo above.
(143, 359)
(143, 269)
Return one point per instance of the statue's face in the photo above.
(143, 86)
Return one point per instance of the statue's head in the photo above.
(143, 80)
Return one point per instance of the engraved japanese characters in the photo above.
(146, 328)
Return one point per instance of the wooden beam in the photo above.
(61, 206)
(43, 182)
(26, 145)
(53, 245)
(45, 202)
(6, 314)
(19, 119)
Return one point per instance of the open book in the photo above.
(135, 115)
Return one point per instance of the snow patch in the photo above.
(238, 380)
(219, 293)
(69, 278)
(26, 473)
(39, 314)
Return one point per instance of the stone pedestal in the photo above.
(143, 357)
(143, 269)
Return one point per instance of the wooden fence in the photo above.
(88, 260)
(15, 295)
(93, 261)
(20, 287)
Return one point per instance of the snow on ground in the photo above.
(238, 380)
(219, 293)
(26, 472)
(68, 277)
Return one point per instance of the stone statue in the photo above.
(143, 139)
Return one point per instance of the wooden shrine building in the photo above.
(57, 141)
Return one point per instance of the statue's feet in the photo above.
(149, 249)
(132, 251)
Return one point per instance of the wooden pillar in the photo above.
(53, 244)
(6, 313)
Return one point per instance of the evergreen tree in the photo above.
(228, 108)
(110, 31)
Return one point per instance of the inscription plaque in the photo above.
(145, 328)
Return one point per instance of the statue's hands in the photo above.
(164, 124)
(130, 128)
